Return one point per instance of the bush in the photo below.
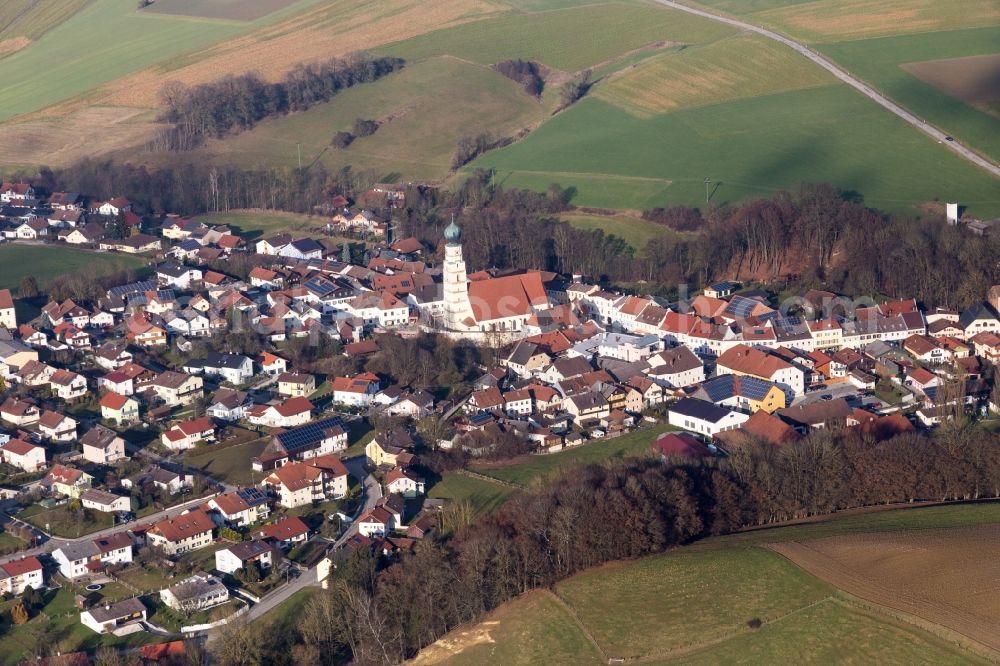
(525, 72)
(342, 140)
(18, 613)
(364, 127)
(754, 623)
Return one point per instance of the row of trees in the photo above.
(625, 509)
(237, 103)
(525, 72)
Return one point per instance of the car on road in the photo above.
(826, 396)
(949, 138)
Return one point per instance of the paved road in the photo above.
(857, 84)
(57, 542)
(371, 493)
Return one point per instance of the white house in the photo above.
(357, 391)
(90, 556)
(109, 617)
(105, 502)
(288, 414)
(404, 482)
(23, 455)
(242, 507)
(179, 277)
(240, 555)
(675, 368)
(233, 368)
(183, 533)
(376, 521)
(57, 427)
(186, 434)
(704, 417)
(16, 576)
(196, 593)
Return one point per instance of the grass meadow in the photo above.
(692, 606)
(748, 147)
(483, 496)
(45, 262)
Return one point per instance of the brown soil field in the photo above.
(948, 577)
(62, 140)
(975, 79)
(332, 29)
(233, 10)
(823, 20)
(12, 45)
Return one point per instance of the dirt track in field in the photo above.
(949, 577)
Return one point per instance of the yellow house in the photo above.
(295, 384)
(742, 392)
(119, 408)
(771, 402)
(389, 448)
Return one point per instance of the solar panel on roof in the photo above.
(132, 288)
(252, 496)
(740, 307)
(308, 434)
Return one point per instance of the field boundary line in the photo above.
(579, 623)
(853, 586)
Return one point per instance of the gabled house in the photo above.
(183, 533)
(57, 427)
(119, 409)
(241, 507)
(244, 554)
(233, 368)
(176, 388)
(186, 434)
(19, 412)
(67, 481)
(105, 502)
(68, 385)
(23, 455)
(302, 443)
(229, 405)
(357, 391)
(704, 417)
(288, 414)
(16, 576)
(109, 618)
(401, 481)
(295, 384)
(87, 557)
(284, 533)
(316, 480)
(156, 477)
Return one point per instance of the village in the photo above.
(108, 405)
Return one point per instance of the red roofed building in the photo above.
(680, 444)
(17, 576)
(284, 533)
(186, 434)
(183, 533)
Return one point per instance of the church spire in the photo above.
(453, 233)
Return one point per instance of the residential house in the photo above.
(742, 392)
(68, 385)
(176, 388)
(186, 434)
(183, 533)
(675, 367)
(587, 408)
(387, 448)
(376, 522)
(87, 557)
(144, 333)
(19, 412)
(117, 382)
(102, 445)
(57, 427)
(233, 368)
(241, 507)
(229, 405)
(818, 415)
(401, 481)
(67, 481)
(671, 444)
(119, 409)
(194, 594)
(178, 277)
(242, 555)
(8, 317)
(357, 391)
(302, 443)
(412, 404)
(704, 417)
(107, 618)
(157, 478)
(316, 480)
(23, 455)
(16, 576)
(105, 502)
(744, 360)
(271, 364)
(288, 414)
(295, 384)
(112, 355)
(284, 533)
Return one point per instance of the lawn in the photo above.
(421, 123)
(58, 630)
(45, 262)
(230, 464)
(9, 543)
(536, 467)
(483, 496)
(692, 605)
(633, 230)
(748, 147)
(74, 62)
(879, 62)
(64, 522)
(33, 18)
(256, 224)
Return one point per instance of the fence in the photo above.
(194, 628)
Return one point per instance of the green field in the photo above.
(254, 224)
(424, 111)
(633, 230)
(71, 59)
(568, 40)
(878, 61)
(534, 468)
(47, 261)
(752, 146)
(692, 605)
(229, 464)
(33, 18)
(483, 496)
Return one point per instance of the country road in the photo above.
(842, 75)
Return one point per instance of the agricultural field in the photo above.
(943, 77)
(255, 224)
(943, 576)
(694, 604)
(738, 67)
(836, 20)
(22, 21)
(231, 10)
(748, 147)
(419, 129)
(45, 262)
(483, 496)
(531, 469)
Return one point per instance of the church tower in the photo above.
(456, 281)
